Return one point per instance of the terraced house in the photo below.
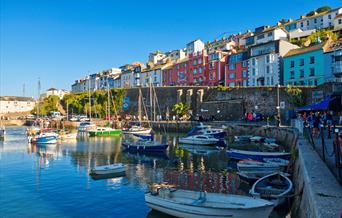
(305, 66)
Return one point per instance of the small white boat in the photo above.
(86, 126)
(108, 169)
(199, 140)
(138, 130)
(271, 145)
(256, 139)
(251, 165)
(242, 138)
(193, 204)
(208, 130)
(274, 187)
(279, 161)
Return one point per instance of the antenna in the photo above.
(23, 89)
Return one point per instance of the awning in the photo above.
(322, 105)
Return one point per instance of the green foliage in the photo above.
(323, 35)
(223, 88)
(46, 105)
(310, 13)
(295, 96)
(323, 9)
(79, 103)
(181, 109)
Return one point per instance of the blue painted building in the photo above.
(305, 66)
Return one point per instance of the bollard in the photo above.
(323, 144)
(337, 153)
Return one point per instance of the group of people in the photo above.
(317, 119)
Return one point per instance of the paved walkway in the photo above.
(329, 153)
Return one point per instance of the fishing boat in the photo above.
(193, 204)
(144, 146)
(256, 155)
(44, 138)
(104, 131)
(199, 140)
(108, 169)
(242, 138)
(207, 130)
(274, 187)
(86, 126)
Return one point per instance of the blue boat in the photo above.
(256, 155)
(144, 146)
(44, 139)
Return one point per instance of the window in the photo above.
(260, 36)
(272, 81)
(269, 34)
(231, 66)
(232, 84)
(316, 82)
(195, 71)
(339, 21)
(315, 20)
(199, 60)
(301, 62)
(232, 75)
(267, 80)
(301, 24)
(178, 67)
(309, 82)
(312, 71)
(195, 62)
(185, 64)
(268, 58)
(291, 74)
(244, 64)
(267, 69)
(244, 74)
(200, 70)
(301, 73)
(329, 16)
(307, 22)
(312, 60)
(253, 72)
(253, 61)
(292, 63)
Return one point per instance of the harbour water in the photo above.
(54, 181)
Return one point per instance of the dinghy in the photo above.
(256, 155)
(274, 187)
(108, 169)
(193, 204)
(252, 165)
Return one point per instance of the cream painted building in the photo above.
(14, 104)
(54, 92)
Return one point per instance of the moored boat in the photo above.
(144, 146)
(242, 138)
(274, 187)
(138, 130)
(199, 140)
(108, 169)
(104, 131)
(278, 161)
(45, 138)
(193, 204)
(256, 155)
(86, 126)
(251, 165)
(207, 130)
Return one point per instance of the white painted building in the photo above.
(338, 22)
(316, 21)
(264, 64)
(299, 33)
(266, 34)
(153, 75)
(13, 104)
(177, 54)
(54, 92)
(157, 57)
(194, 47)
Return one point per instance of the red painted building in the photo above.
(236, 69)
(215, 68)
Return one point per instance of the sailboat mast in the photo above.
(139, 105)
(108, 99)
(151, 98)
(89, 97)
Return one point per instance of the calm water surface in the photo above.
(54, 181)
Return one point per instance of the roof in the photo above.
(338, 16)
(51, 89)
(15, 98)
(313, 16)
(271, 29)
(304, 50)
(333, 46)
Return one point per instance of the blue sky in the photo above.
(60, 41)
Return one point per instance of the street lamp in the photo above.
(278, 105)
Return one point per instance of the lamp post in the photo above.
(278, 105)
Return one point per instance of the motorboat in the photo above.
(44, 138)
(194, 204)
(104, 131)
(274, 187)
(278, 161)
(256, 155)
(86, 126)
(199, 140)
(207, 130)
(137, 130)
(256, 139)
(108, 169)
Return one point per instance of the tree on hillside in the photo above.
(295, 96)
(321, 35)
(323, 9)
(182, 110)
(43, 107)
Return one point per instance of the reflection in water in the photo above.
(59, 174)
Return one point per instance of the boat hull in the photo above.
(257, 156)
(197, 142)
(147, 131)
(45, 140)
(168, 206)
(105, 133)
(145, 148)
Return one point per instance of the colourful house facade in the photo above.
(304, 66)
(236, 69)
